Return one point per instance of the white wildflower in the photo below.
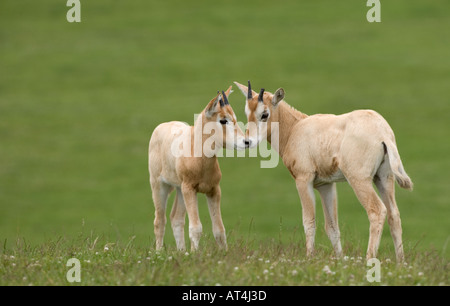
(327, 270)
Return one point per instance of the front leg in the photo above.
(195, 226)
(213, 199)
(306, 193)
(329, 203)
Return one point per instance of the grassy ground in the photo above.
(78, 103)
(246, 262)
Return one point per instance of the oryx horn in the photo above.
(249, 94)
(225, 99)
(220, 99)
(261, 94)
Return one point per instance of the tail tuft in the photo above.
(401, 177)
(404, 181)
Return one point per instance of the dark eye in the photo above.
(223, 121)
(264, 116)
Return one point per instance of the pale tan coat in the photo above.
(358, 147)
(189, 174)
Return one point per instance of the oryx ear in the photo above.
(244, 90)
(212, 106)
(229, 91)
(278, 96)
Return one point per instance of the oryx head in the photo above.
(220, 117)
(260, 109)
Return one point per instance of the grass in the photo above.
(259, 263)
(78, 103)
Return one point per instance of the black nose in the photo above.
(247, 143)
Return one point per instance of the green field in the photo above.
(78, 103)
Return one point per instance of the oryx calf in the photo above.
(319, 150)
(196, 171)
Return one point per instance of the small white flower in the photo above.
(420, 274)
(236, 268)
(346, 258)
(265, 271)
(267, 261)
(186, 254)
(294, 272)
(106, 248)
(327, 270)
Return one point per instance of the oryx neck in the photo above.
(287, 119)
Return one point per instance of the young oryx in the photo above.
(319, 150)
(195, 170)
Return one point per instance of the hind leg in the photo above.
(376, 211)
(177, 220)
(160, 193)
(385, 183)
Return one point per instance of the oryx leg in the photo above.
(160, 193)
(191, 203)
(328, 195)
(376, 211)
(213, 199)
(385, 183)
(307, 198)
(177, 219)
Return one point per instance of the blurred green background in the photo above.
(78, 103)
